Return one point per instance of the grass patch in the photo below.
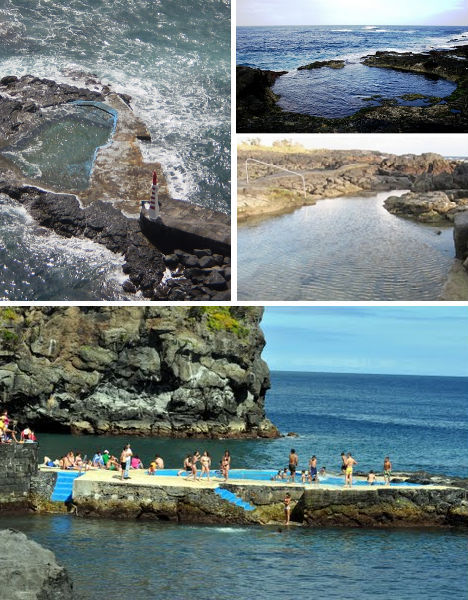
(220, 318)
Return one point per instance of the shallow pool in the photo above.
(61, 152)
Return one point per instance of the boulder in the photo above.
(30, 571)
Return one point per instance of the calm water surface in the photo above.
(145, 560)
(342, 249)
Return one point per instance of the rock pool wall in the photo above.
(18, 463)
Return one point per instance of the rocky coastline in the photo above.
(186, 258)
(258, 112)
(438, 189)
(150, 371)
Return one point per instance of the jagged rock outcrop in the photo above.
(332, 173)
(172, 371)
(318, 64)
(30, 571)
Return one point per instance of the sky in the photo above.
(352, 12)
(416, 340)
(395, 143)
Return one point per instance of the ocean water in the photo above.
(146, 560)
(37, 264)
(348, 248)
(289, 47)
(173, 58)
(334, 93)
(421, 422)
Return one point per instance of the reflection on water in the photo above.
(343, 249)
(336, 93)
(146, 560)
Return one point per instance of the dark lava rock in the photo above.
(216, 281)
(318, 64)
(207, 261)
(30, 571)
(203, 252)
(171, 260)
(128, 286)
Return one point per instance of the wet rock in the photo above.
(460, 236)
(31, 571)
(427, 207)
(216, 281)
(318, 64)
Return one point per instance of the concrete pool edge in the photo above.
(170, 498)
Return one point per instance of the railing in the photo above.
(276, 167)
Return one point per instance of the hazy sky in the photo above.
(445, 144)
(421, 340)
(352, 12)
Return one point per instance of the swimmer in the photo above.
(293, 462)
(313, 469)
(371, 478)
(287, 507)
(350, 462)
(387, 470)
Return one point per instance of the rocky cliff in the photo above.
(169, 371)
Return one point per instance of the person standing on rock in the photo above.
(387, 470)
(287, 507)
(293, 462)
(313, 469)
(350, 462)
(343, 462)
(125, 459)
(193, 461)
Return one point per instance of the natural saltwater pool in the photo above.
(347, 248)
(335, 93)
(61, 152)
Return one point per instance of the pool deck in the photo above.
(140, 477)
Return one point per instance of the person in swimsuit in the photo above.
(371, 478)
(387, 470)
(287, 507)
(293, 462)
(313, 469)
(343, 462)
(205, 464)
(226, 464)
(350, 462)
(187, 466)
(193, 461)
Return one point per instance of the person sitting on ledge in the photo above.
(27, 436)
(136, 463)
(112, 463)
(323, 471)
(278, 476)
(98, 461)
(371, 478)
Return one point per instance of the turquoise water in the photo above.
(146, 560)
(61, 153)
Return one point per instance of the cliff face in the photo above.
(171, 371)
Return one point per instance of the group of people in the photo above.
(190, 468)
(9, 434)
(311, 475)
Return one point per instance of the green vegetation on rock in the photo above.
(220, 318)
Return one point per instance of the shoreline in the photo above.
(162, 258)
(258, 111)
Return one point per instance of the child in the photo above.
(287, 507)
(371, 478)
(323, 472)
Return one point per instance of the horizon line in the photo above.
(349, 25)
(362, 373)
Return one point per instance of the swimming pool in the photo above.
(267, 475)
